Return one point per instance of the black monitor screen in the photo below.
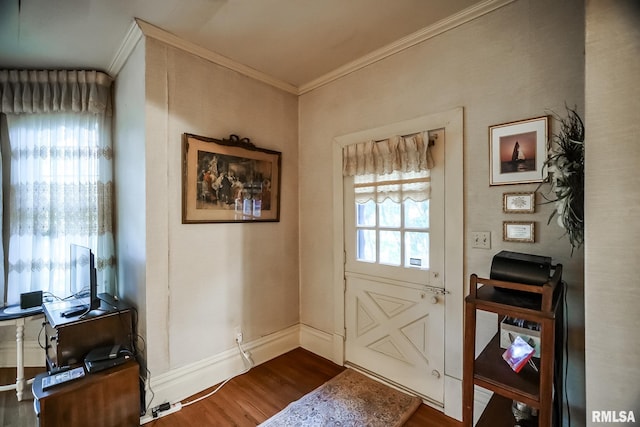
(83, 274)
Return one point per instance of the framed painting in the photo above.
(229, 180)
(518, 151)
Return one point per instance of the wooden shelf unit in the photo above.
(540, 304)
(109, 398)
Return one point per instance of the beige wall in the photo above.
(203, 280)
(129, 168)
(612, 294)
(521, 61)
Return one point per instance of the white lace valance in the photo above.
(43, 91)
(397, 168)
(396, 186)
(398, 153)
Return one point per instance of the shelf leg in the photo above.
(468, 361)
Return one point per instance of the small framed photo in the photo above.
(517, 151)
(519, 202)
(518, 231)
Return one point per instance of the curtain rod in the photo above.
(432, 139)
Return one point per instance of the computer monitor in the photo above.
(83, 275)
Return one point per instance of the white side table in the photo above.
(14, 315)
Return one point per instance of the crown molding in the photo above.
(131, 39)
(140, 28)
(159, 34)
(413, 39)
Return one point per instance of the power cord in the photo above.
(169, 408)
(246, 356)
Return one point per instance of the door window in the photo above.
(393, 233)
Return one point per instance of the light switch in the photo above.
(481, 239)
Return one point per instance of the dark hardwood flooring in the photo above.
(246, 400)
(12, 412)
(252, 398)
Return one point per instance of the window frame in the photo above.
(401, 228)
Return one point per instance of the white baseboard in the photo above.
(179, 384)
(318, 342)
(34, 355)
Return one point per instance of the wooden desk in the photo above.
(109, 398)
(14, 316)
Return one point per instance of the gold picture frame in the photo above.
(518, 231)
(229, 180)
(519, 202)
(518, 151)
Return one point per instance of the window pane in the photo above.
(366, 245)
(416, 250)
(389, 214)
(366, 214)
(390, 249)
(416, 214)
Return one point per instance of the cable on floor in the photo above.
(246, 357)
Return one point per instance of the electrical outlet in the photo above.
(238, 334)
(481, 239)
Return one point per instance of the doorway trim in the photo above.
(453, 280)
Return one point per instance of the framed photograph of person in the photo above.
(229, 180)
(517, 151)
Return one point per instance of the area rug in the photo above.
(350, 399)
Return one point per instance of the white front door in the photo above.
(395, 304)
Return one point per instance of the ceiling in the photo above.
(293, 41)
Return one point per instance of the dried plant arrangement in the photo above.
(565, 165)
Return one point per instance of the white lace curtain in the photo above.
(397, 168)
(59, 154)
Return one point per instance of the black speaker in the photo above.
(30, 299)
(521, 268)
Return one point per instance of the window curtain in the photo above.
(61, 177)
(396, 168)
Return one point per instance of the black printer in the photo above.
(521, 268)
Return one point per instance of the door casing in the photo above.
(453, 277)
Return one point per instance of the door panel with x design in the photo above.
(397, 331)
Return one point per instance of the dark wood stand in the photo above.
(69, 339)
(541, 304)
(108, 398)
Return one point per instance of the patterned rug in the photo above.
(350, 399)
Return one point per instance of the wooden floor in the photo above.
(252, 398)
(12, 412)
(246, 400)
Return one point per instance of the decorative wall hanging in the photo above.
(518, 151)
(518, 231)
(519, 202)
(229, 180)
